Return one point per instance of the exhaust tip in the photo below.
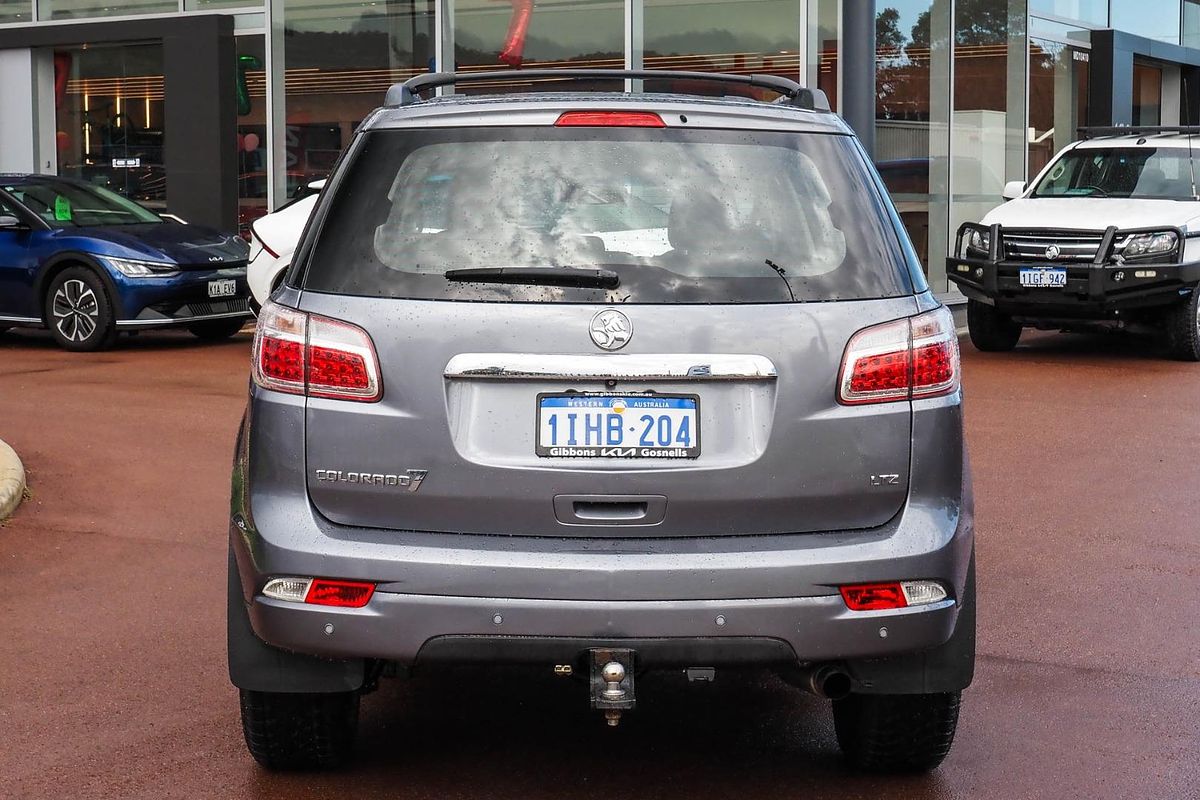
(835, 684)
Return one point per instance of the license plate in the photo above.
(1043, 277)
(618, 426)
(222, 288)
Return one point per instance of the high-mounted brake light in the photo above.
(901, 360)
(299, 353)
(610, 119)
(891, 595)
(320, 591)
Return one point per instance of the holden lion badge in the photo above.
(611, 329)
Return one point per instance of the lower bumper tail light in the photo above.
(891, 595)
(320, 591)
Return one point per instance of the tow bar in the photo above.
(612, 683)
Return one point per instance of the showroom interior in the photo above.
(217, 110)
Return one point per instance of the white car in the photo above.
(1108, 232)
(273, 238)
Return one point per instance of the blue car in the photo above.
(87, 264)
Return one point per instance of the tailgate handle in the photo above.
(601, 509)
(588, 509)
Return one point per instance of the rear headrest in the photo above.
(698, 220)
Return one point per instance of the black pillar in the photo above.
(1110, 81)
(857, 101)
(200, 79)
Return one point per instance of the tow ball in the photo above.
(612, 683)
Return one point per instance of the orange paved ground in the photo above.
(112, 668)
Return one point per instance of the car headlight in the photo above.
(1149, 244)
(142, 269)
(977, 242)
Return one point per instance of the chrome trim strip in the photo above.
(22, 320)
(664, 366)
(167, 321)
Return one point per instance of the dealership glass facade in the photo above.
(969, 94)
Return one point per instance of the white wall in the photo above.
(27, 123)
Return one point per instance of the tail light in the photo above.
(311, 355)
(902, 360)
(320, 591)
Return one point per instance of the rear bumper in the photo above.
(413, 628)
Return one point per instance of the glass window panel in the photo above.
(911, 117)
(109, 119)
(1058, 86)
(341, 58)
(750, 36)
(16, 11)
(1191, 23)
(1155, 20)
(1044, 28)
(824, 41)
(493, 34)
(83, 9)
(210, 4)
(988, 133)
(1094, 12)
(251, 130)
(1147, 95)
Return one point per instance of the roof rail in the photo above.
(403, 94)
(1096, 131)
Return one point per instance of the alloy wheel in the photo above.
(76, 310)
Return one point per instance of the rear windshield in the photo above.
(680, 216)
(1163, 173)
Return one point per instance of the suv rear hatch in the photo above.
(647, 341)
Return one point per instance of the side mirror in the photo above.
(9, 222)
(1013, 190)
(317, 185)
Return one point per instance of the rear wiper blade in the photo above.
(541, 276)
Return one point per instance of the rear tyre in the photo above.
(1183, 328)
(79, 312)
(217, 329)
(991, 331)
(299, 731)
(896, 732)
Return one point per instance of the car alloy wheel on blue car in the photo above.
(87, 264)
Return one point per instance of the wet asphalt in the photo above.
(112, 667)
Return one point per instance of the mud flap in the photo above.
(947, 668)
(257, 666)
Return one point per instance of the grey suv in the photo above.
(603, 383)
